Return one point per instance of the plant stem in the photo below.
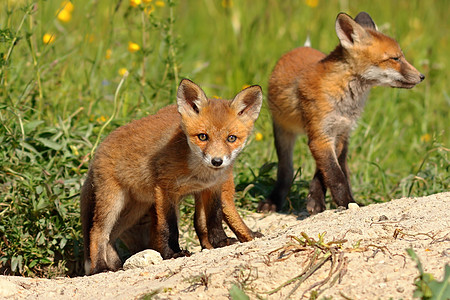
(116, 96)
(10, 50)
(172, 44)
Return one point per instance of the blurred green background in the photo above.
(71, 72)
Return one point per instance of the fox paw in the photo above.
(257, 234)
(225, 242)
(266, 206)
(182, 253)
(314, 206)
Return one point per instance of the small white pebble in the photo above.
(353, 206)
(143, 259)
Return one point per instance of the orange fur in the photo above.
(143, 170)
(323, 96)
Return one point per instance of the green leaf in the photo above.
(39, 189)
(45, 261)
(42, 204)
(415, 258)
(33, 263)
(30, 148)
(441, 290)
(237, 294)
(426, 286)
(14, 263)
(49, 144)
(62, 243)
(40, 239)
(266, 168)
(30, 126)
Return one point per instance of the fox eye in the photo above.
(396, 58)
(231, 138)
(202, 137)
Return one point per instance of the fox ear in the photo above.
(348, 31)
(365, 21)
(190, 98)
(248, 102)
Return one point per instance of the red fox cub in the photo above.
(142, 171)
(323, 96)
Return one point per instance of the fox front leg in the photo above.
(231, 215)
(164, 235)
(208, 220)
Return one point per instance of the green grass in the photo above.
(55, 98)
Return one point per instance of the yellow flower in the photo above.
(74, 150)
(101, 119)
(216, 97)
(135, 3)
(312, 3)
(258, 136)
(133, 47)
(67, 6)
(149, 9)
(245, 86)
(64, 16)
(48, 38)
(90, 38)
(108, 53)
(227, 3)
(146, 1)
(123, 71)
(425, 138)
(160, 3)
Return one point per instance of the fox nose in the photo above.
(216, 161)
(422, 77)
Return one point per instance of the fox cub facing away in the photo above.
(323, 96)
(143, 170)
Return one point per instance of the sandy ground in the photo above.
(369, 260)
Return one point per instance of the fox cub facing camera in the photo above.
(323, 96)
(142, 171)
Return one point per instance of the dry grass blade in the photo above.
(399, 232)
(298, 277)
(322, 252)
(309, 273)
